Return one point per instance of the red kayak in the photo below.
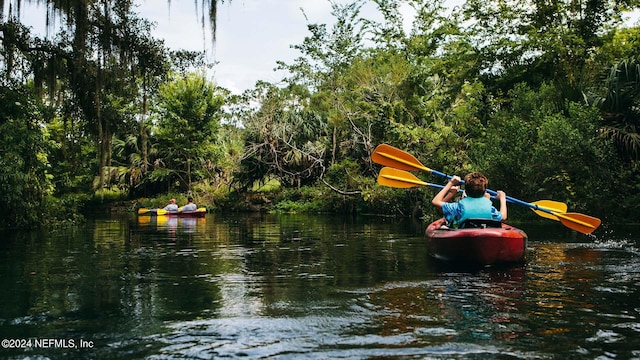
(479, 243)
(200, 212)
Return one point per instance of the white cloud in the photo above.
(254, 34)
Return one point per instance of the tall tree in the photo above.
(101, 50)
(188, 119)
(326, 56)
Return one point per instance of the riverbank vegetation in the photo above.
(544, 98)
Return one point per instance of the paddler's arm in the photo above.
(502, 196)
(443, 195)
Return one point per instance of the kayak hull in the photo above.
(201, 212)
(476, 246)
(188, 213)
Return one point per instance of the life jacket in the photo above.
(476, 208)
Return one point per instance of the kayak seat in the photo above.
(480, 224)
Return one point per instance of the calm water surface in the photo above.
(321, 287)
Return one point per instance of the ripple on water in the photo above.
(253, 337)
(606, 336)
(311, 337)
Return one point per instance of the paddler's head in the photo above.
(475, 184)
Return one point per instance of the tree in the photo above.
(24, 181)
(326, 56)
(539, 41)
(620, 107)
(188, 113)
(103, 51)
(283, 140)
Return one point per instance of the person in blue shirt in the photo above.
(476, 205)
(190, 205)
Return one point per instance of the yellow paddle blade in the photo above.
(398, 178)
(143, 211)
(388, 155)
(579, 222)
(202, 209)
(551, 205)
(554, 206)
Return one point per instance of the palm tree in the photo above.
(621, 108)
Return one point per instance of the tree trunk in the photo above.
(143, 131)
(335, 145)
(101, 155)
(189, 172)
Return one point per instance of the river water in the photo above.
(263, 286)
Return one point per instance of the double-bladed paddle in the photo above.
(401, 179)
(145, 211)
(390, 156)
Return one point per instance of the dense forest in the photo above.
(542, 96)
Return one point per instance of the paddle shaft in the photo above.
(520, 202)
(143, 211)
(395, 158)
(400, 178)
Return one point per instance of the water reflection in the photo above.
(323, 287)
(172, 224)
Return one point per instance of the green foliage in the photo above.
(282, 141)
(620, 107)
(215, 197)
(110, 195)
(622, 43)
(188, 108)
(306, 199)
(66, 210)
(162, 200)
(343, 174)
(24, 182)
(397, 202)
(188, 120)
(547, 152)
(73, 154)
(494, 86)
(269, 186)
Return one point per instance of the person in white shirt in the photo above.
(172, 205)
